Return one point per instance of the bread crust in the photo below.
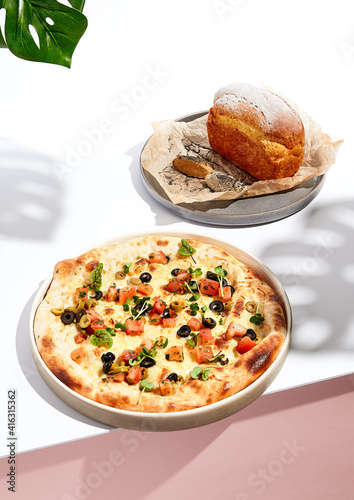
(56, 341)
(257, 130)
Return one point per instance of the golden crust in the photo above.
(257, 130)
(56, 342)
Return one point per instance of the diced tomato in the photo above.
(112, 293)
(158, 257)
(79, 338)
(174, 286)
(205, 336)
(155, 319)
(203, 351)
(166, 387)
(93, 314)
(98, 324)
(225, 294)
(158, 307)
(183, 275)
(175, 353)
(145, 289)
(119, 377)
(78, 355)
(172, 313)
(169, 322)
(195, 324)
(235, 330)
(134, 374)
(209, 287)
(134, 327)
(126, 293)
(81, 293)
(128, 354)
(245, 345)
(147, 343)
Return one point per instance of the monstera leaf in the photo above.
(58, 29)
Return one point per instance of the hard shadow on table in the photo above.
(316, 267)
(163, 216)
(30, 193)
(29, 369)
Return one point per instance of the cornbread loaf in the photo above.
(256, 130)
(192, 166)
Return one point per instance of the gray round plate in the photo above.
(242, 212)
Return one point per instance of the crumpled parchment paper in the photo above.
(172, 138)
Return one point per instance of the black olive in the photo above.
(168, 258)
(67, 317)
(173, 377)
(209, 322)
(98, 295)
(216, 306)
(192, 284)
(214, 277)
(165, 313)
(108, 356)
(224, 361)
(250, 333)
(145, 277)
(80, 313)
(107, 366)
(147, 362)
(137, 310)
(175, 271)
(184, 331)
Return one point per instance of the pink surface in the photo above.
(295, 444)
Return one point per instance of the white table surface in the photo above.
(143, 61)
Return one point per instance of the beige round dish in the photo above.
(157, 422)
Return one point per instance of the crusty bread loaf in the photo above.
(256, 130)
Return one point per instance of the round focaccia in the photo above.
(158, 324)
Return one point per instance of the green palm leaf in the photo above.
(58, 27)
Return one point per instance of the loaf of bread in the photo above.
(256, 130)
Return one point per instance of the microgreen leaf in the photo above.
(100, 337)
(186, 249)
(121, 326)
(126, 267)
(256, 319)
(216, 359)
(193, 340)
(194, 309)
(195, 373)
(145, 385)
(96, 278)
(198, 372)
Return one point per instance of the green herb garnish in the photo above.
(198, 372)
(216, 359)
(96, 278)
(194, 309)
(145, 385)
(186, 249)
(100, 337)
(126, 267)
(256, 319)
(121, 326)
(193, 340)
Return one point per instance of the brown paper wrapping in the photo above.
(172, 138)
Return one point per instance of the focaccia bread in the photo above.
(257, 130)
(158, 324)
